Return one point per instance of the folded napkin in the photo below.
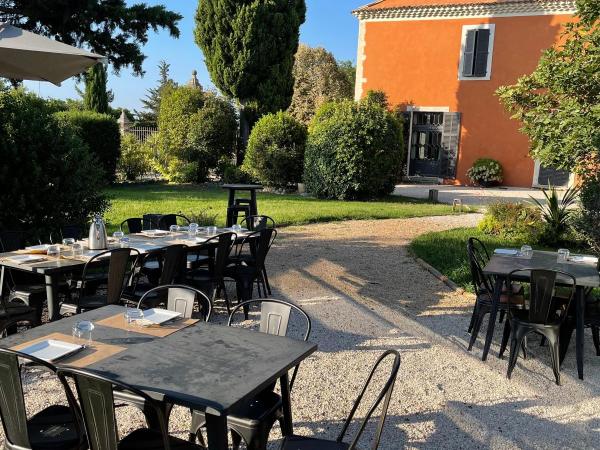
(26, 259)
(585, 259)
(506, 251)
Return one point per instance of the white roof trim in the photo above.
(436, 12)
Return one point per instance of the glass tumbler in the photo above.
(563, 255)
(526, 251)
(82, 330)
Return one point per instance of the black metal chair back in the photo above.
(134, 225)
(167, 220)
(12, 402)
(274, 319)
(120, 265)
(542, 308)
(97, 404)
(174, 263)
(181, 298)
(384, 395)
(256, 223)
(259, 242)
(222, 251)
(478, 257)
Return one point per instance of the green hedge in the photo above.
(101, 133)
(275, 152)
(354, 150)
(48, 177)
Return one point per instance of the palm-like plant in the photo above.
(557, 212)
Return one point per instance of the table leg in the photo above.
(52, 298)
(493, 313)
(287, 428)
(579, 312)
(253, 206)
(216, 430)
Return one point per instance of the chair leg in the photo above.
(226, 297)
(524, 347)
(542, 341)
(473, 317)
(505, 338)
(266, 280)
(515, 345)
(554, 344)
(596, 338)
(476, 327)
(501, 316)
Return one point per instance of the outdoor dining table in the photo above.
(585, 273)
(206, 367)
(53, 268)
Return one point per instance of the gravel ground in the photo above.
(365, 294)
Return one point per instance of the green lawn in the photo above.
(447, 251)
(135, 200)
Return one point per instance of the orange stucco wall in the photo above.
(416, 63)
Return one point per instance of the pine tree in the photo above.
(249, 48)
(96, 96)
(152, 100)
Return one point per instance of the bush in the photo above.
(513, 221)
(486, 172)
(275, 152)
(354, 150)
(557, 214)
(195, 130)
(48, 176)
(232, 174)
(135, 158)
(101, 133)
(587, 222)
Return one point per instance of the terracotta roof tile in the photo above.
(386, 4)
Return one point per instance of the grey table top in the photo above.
(586, 274)
(206, 367)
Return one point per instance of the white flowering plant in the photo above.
(486, 172)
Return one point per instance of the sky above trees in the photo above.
(329, 23)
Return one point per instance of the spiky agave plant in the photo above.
(557, 212)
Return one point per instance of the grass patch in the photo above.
(136, 200)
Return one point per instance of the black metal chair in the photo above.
(97, 403)
(544, 316)
(172, 270)
(137, 224)
(305, 443)
(54, 427)
(245, 271)
(253, 421)
(257, 223)
(167, 220)
(121, 262)
(180, 298)
(212, 279)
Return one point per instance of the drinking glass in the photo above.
(192, 230)
(118, 235)
(526, 251)
(563, 255)
(53, 251)
(77, 250)
(236, 228)
(68, 246)
(124, 242)
(211, 231)
(82, 330)
(132, 315)
(174, 228)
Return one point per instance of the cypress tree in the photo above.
(249, 48)
(96, 97)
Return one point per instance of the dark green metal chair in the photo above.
(55, 427)
(97, 405)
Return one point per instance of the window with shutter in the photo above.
(476, 52)
(450, 143)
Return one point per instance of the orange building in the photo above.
(442, 61)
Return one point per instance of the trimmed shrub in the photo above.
(513, 221)
(486, 172)
(135, 158)
(587, 222)
(354, 150)
(48, 176)
(275, 152)
(101, 133)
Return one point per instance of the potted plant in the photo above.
(486, 172)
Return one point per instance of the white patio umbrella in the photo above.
(29, 56)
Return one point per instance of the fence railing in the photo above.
(142, 133)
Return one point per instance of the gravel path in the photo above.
(366, 294)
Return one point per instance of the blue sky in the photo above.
(329, 23)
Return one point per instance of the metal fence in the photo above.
(142, 133)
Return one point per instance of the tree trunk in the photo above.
(244, 134)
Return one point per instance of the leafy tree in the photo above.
(152, 100)
(317, 79)
(134, 161)
(96, 96)
(249, 48)
(559, 103)
(110, 28)
(349, 69)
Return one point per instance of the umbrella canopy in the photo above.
(29, 56)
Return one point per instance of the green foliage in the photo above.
(317, 79)
(559, 103)
(557, 214)
(486, 172)
(249, 48)
(48, 177)
(204, 218)
(513, 221)
(354, 150)
(152, 100)
(135, 159)
(275, 153)
(101, 133)
(110, 28)
(195, 129)
(232, 174)
(378, 98)
(349, 70)
(587, 221)
(95, 97)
